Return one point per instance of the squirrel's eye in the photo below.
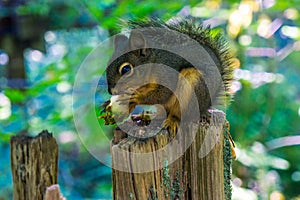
(126, 68)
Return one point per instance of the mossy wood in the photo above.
(34, 165)
(193, 176)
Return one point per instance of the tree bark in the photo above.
(200, 173)
(34, 165)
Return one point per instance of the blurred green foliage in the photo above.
(266, 105)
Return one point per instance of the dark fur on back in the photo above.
(212, 41)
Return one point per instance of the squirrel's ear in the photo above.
(120, 41)
(137, 41)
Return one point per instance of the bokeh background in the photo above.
(43, 43)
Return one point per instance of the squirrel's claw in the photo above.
(104, 106)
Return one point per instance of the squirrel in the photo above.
(198, 59)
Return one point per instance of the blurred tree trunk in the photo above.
(201, 173)
(34, 165)
(18, 32)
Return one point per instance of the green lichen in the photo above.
(172, 188)
(176, 190)
(166, 178)
(130, 195)
(152, 194)
(227, 164)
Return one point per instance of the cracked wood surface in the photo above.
(34, 165)
(198, 174)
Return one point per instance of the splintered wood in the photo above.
(53, 193)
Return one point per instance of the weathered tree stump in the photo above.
(34, 165)
(143, 169)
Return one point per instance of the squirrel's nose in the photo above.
(113, 91)
(109, 90)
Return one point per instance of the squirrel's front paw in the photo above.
(171, 124)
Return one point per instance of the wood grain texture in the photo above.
(34, 165)
(198, 174)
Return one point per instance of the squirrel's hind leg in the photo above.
(188, 79)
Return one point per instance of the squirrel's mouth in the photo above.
(118, 110)
(123, 109)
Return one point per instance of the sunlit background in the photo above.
(43, 43)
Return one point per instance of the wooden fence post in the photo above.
(34, 165)
(201, 173)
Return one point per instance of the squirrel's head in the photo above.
(129, 52)
(135, 62)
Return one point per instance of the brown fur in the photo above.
(189, 78)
